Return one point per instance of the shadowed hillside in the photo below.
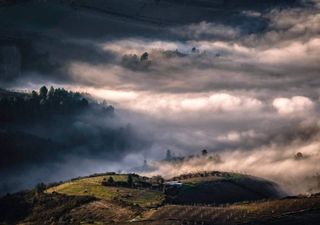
(217, 187)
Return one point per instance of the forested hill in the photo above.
(17, 106)
(38, 126)
(45, 129)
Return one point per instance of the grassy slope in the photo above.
(211, 189)
(198, 180)
(263, 212)
(223, 176)
(64, 209)
(92, 186)
(86, 201)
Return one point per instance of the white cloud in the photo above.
(227, 102)
(296, 54)
(206, 103)
(235, 136)
(294, 105)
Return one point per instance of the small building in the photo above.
(173, 183)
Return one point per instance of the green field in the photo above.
(92, 186)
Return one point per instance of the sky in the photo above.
(238, 79)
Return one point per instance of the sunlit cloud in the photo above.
(273, 162)
(294, 105)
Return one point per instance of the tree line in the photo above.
(16, 106)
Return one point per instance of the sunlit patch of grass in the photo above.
(192, 181)
(198, 180)
(93, 223)
(92, 186)
(236, 176)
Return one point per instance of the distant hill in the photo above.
(9, 94)
(199, 188)
(35, 105)
(20, 112)
(41, 130)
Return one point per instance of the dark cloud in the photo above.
(49, 35)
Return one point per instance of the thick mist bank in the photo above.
(277, 163)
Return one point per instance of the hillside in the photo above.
(295, 210)
(217, 187)
(122, 199)
(93, 186)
